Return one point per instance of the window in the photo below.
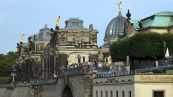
(79, 58)
(123, 94)
(111, 93)
(83, 59)
(116, 93)
(97, 94)
(129, 80)
(101, 93)
(130, 94)
(106, 93)
(158, 94)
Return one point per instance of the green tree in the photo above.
(6, 62)
(141, 46)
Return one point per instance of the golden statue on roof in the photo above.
(21, 37)
(57, 21)
(120, 6)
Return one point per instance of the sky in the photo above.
(29, 16)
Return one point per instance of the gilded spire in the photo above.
(119, 6)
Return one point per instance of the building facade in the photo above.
(49, 50)
(134, 86)
(71, 45)
(160, 22)
(30, 55)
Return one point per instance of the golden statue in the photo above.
(120, 6)
(57, 21)
(21, 38)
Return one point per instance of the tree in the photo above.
(141, 46)
(6, 62)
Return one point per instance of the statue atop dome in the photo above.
(120, 6)
(115, 28)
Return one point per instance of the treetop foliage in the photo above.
(142, 46)
(6, 62)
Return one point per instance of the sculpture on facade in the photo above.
(54, 34)
(31, 44)
(18, 49)
(53, 39)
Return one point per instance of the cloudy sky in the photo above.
(28, 16)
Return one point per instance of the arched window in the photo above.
(116, 93)
(101, 93)
(123, 94)
(130, 94)
(97, 94)
(111, 93)
(79, 58)
(106, 93)
(83, 59)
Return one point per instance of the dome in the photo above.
(115, 27)
(44, 34)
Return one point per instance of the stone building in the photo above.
(73, 44)
(30, 55)
(134, 86)
(50, 49)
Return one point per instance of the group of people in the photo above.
(79, 68)
(90, 67)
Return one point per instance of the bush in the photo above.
(5, 80)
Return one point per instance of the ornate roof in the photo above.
(115, 27)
